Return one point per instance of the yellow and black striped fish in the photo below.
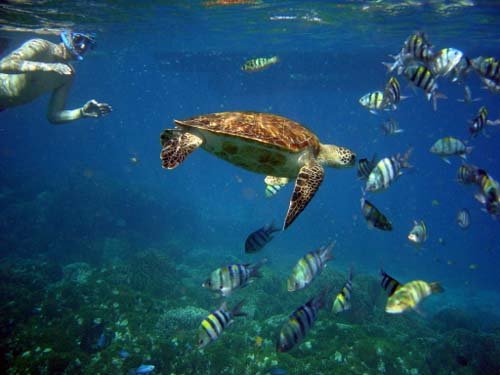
(228, 278)
(260, 238)
(259, 63)
(365, 167)
(391, 127)
(300, 322)
(388, 283)
(449, 146)
(386, 171)
(274, 184)
(489, 194)
(308, 267)
(409, 295)
(479, 122)
(373, 101)
(392, 94)
(463, 218)
(418, 234)
(422, 77)
(418, 47)
(214, 324)
(342, 301)
(374, 217)
(467, 174)
(487, 67)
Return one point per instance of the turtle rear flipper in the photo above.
(176, 147)
(307, 183)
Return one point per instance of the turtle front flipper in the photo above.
(307, 183)
(176, 147)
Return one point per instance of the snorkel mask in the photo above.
(77, 43)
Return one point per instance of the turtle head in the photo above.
(336, 156)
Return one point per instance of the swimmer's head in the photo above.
(77, 43)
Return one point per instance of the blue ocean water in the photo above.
(67, 189)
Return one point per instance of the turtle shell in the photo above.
(265, 128)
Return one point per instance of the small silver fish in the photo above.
(463, 218)
(418, 234)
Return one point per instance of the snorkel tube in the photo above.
(77, 43)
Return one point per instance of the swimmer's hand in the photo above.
(95, 109)
(62, 69)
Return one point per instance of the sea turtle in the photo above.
(259, 142)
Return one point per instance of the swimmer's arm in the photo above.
(23, 59)
(58, 115)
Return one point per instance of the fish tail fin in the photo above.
(404, 159)
(326, 252)
(272, 228)
(435, 96)
(236, 310)
(320, 300)
(390, 66)
(436, 287)
(254, 268)
(351, 273)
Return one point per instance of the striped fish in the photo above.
(392, 94)
(409, 295)
(300, 322)
(463, 218)
(259, 63)
(448, 146)
(308, 267)
(479, 122)
(422, 77)
(228, 278)
(274, 184)
(418, 234)
(342, 301)
(386, 171)
(374, 217)
(491, 85)
(444, 61)
(365, 167)
(389, 284)
(391, 127)
(489, 194)
(214, 324)
(260, 238)
(467, 174)
(416, 49)
(487, 67)
(373, 101)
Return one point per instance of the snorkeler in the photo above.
(40, 66)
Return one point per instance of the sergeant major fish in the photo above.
(444, 61)
(448, 146)
(480, 121)
(215, 323)
(467, 174)
(418, 234)
(386, 171)
(463, 218)
(391, 127)
(342, 301)
(308, 267)
(260, 238)
(388, 283)
(365, 167)
(274, 184)
(409, 295)
(373, 101)
(422, 77)
(374, 217)
(228, 278)
(258, 64)
(300, 322)
(392, 94)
